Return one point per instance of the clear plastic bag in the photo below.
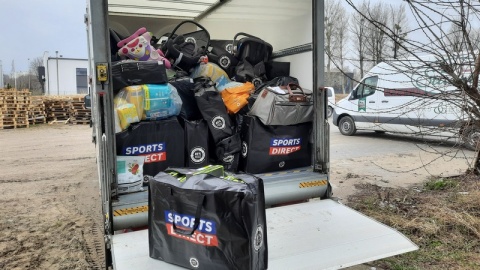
(161, 101)
(126, 113)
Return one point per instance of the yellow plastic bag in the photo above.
(127, 114)
(236, 98)
(134, 94)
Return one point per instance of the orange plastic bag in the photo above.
(235, 98)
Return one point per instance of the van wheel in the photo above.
(347, 126)
(471, 138)
(329, 111)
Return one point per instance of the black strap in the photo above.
(198, 212)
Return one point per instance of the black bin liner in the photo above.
(161, 142)
(274, 148)
(207, 222)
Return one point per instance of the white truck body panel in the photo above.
(315, 235)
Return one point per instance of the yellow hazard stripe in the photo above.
(316, 183)
(129, 211)
(282, 173)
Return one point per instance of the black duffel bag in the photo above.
(130, 72)
(207, 222)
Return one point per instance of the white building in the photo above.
(65, 76)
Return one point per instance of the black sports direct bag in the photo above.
(274, 148)
(160, 142)
(196, 142)
(220, 53)
(207, 222)
(130, 72)
(222, 128)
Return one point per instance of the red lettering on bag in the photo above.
(279, 151)
(155, 157)
(196, 238)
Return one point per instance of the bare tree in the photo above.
(334, 10)
(358, 28)
(376, 39)
(37, 86)
(399, 26)
(451, 71)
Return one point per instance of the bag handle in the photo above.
(235, 49)
(296, 97)
(198, 212)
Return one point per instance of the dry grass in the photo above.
(442, 217)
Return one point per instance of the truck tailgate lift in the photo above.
(315, 235)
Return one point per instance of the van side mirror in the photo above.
(353, 95)
(87, 100)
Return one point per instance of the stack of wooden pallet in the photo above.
(66, 109)
(14, 108)
(36, 111)
(78, 113)
(57, 109)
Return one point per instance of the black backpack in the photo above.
(252, 54)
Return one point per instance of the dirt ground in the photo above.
(50, 216)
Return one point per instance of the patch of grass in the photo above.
(443, 219)
(440, 184)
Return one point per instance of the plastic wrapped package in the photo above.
(127, 114)
(135, 95)
(118, 128)
(130, 173)
(212, 71)
(161, 101)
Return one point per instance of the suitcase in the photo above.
(274, 148)
(203, 221)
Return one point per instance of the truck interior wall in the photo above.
(296, 28)
(125, 25)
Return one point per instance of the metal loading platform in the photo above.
(131, 210)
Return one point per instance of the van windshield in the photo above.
(365, 88)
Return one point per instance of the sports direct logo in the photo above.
(280, 147)
(205, 235)
(154, 152)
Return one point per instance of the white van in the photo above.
(331, 100)
(405, 96)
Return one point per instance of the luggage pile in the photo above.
(194, 119)
(190, 101)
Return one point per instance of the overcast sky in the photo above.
(31, 27)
